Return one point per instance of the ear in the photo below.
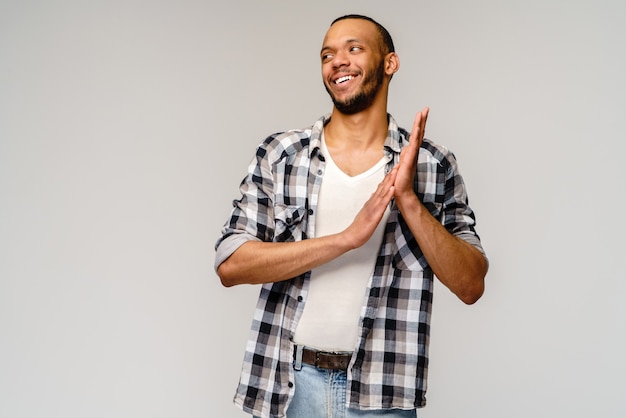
(392, 63)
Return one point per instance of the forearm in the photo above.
(458, 265)
(264, 262)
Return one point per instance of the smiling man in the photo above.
(345, 78)
(345, 224)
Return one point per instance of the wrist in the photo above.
(409, 203)
(344, 241)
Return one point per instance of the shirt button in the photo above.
(299, 298)
(288, 220)
(319, 172)
(290, 384)
(310, 211)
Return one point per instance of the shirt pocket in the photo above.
(288, 223)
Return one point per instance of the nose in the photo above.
(340, 59)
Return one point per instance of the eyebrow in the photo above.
(347, 41)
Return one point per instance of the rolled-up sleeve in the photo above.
(252, 217)
(457, 216)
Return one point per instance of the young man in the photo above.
(345, 224)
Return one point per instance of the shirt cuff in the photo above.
(228, 246)
(474, 241)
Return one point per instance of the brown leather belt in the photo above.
(326, 360)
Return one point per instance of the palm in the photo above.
(408, 156)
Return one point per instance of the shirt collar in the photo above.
(394, 138)
(393, 141)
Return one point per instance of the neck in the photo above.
(365, 129)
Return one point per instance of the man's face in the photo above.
(353, 66)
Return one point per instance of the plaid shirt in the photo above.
(278, 204)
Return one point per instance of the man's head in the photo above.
(386, 45)
(358, 60)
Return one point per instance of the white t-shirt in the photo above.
(337, 289)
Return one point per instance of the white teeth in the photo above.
(342, 79)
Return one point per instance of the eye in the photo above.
(355, 48)
(326, 56)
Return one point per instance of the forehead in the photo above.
(348, 30)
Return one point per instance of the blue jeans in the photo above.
(321, 393)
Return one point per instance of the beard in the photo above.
(362, 99)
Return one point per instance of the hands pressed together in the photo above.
(456, 263)
(398, 184)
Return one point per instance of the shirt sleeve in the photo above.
(252, 217)
(457, 216)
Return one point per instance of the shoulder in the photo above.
(281, 145)
(431, 150)
(438, 153)
(289, 142)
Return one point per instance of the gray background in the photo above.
(126, 126)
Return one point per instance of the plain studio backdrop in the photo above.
(126, 127)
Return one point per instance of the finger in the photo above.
(415, 130)
(419, 125)
(387, 182)
(423, 119)
(391, 176)
(408, 153)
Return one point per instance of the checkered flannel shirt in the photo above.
(278, 204)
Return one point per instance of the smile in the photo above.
(343, 79)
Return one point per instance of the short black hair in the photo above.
(385, 37)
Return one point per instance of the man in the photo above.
(344, 224)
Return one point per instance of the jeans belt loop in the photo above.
(297, 362)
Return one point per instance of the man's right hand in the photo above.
(265, 262)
